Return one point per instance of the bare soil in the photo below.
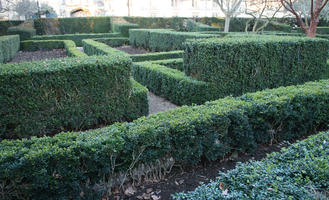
(28, 56)
(131, 50)
(159, 104)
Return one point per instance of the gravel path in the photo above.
(159, 104)
(28, 56)
(130, 50)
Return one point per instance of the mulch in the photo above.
(28, 56)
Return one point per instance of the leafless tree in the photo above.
(315, 8)
(6, 5)
(229, 8)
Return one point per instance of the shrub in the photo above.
(157, 56)
(300, 171)
(25, 33)
(172, 84)
(68, 45)
(123, 29)
(114, 42)
(270, 62)
(161, 39)
(193, 26)
(9, 46)
(319, 30)
(73, 25)
(75, 164)
(46, 97)
(4, 25)
(77, 38)
(176, 63)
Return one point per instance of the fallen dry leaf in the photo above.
(149, 190)
(154, 197)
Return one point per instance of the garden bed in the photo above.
(28, 56)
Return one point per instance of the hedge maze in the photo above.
(73, 128)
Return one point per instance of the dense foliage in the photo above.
(46, 97)
(77, 38)
(193, 26)
(157, 56)
(4, 25)
(9, 46)
(245, 64)
(172, 84)
(300, 171)
(175, 63)
(81, 164)
(73, 25)
(114, 42)
(161, 39)
(25, 33)
(123, 28)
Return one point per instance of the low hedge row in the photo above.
(300, 171)
(81, 164)
(25, 33)
(9, 46)
(4, 25)
(123, 29)
(176, 63)
(161, 39)
(156, 56)
(272, 61)
(114, 42)
(92, 47)
(77, 38)
(46, 97)
(68, 45)
(193, 26)
(171, 84)
(319, 30)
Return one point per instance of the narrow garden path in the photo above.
(28, 56)
(159, 104)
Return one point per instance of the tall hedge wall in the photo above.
(47, 97)
(237, 65)
(73, 25)
(75, 165)
(300, 171)
(161, 39)
(9, 46)
(4, 25)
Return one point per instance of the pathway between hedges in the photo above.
(156, 104)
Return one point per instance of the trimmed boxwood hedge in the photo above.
(123, 29)
(176, 63)
(300, 171)
(161, 39)
(4, 25)
(68, 45)
(172, 84)
(25, 33)
(193, 26)
(156, 56)
(9, 46)
(77, 38)
(92, 47)
(319, 30)
(114, 42)
(245, 64)
(46, 97)
(81, 164)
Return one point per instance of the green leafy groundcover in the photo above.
(72, 164)
(300, 171)
(46, 97)
(246, 64)
(9, 46)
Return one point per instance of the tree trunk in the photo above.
(227, 23)
(311, 30)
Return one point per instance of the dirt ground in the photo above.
(28, 56)
(159, 104)
(130, 50)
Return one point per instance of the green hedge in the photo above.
(245, 64)
(73, 25)
(123, 28)
(193, 26)
(68, 45)
(9, 46)
(25, 33)
(114, 42)
(46, 97)
(77, 38)
(161, 39)
(300, 171)
(81, 164)
(4, 25)
(92, 47)
(157, 56)
(171, 84)
(176, 63)
(319, 30)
